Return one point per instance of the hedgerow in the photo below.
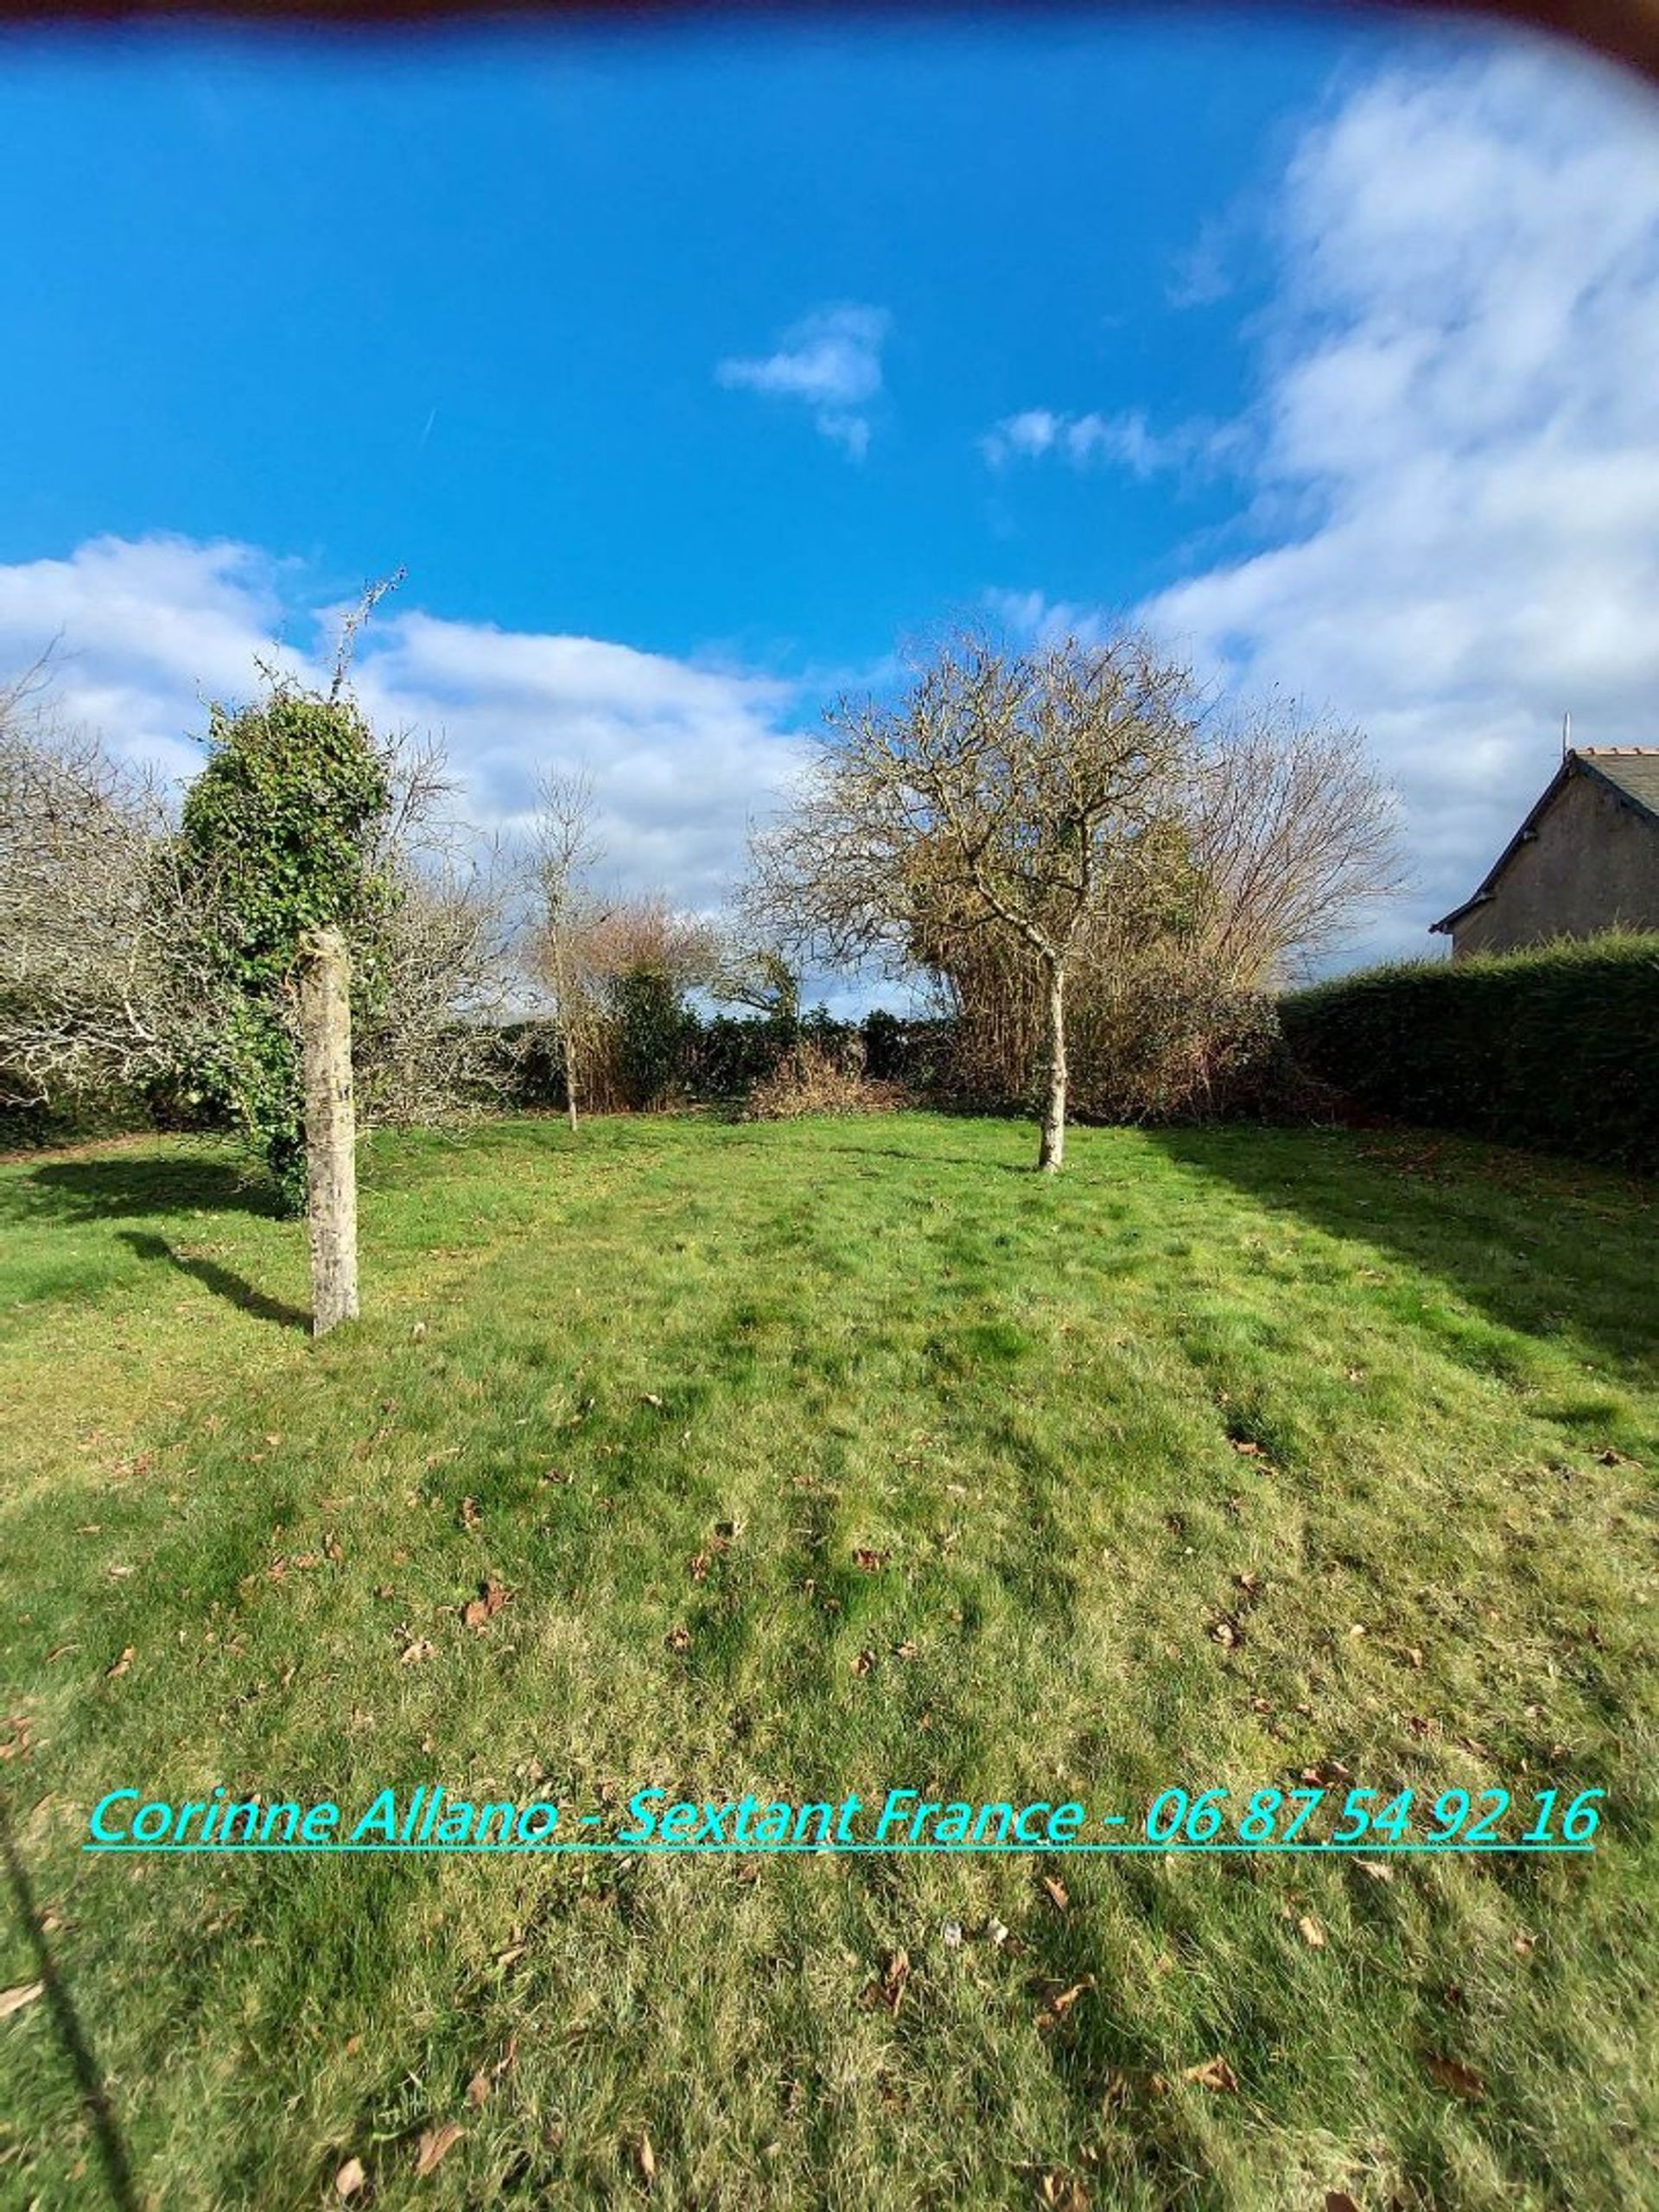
(1556, 1048)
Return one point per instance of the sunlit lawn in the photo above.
(1236, 1455)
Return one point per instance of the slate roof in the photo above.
(1630, 772)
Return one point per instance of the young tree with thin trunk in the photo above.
(1018, 795)
(565, 853)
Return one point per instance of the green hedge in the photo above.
(1556, 1048)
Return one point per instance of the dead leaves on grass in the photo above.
(1060, 2191)
(478, 2088)
(435, 2145)
(480, 1611)
(13, 2000)
(1058, 2000)
(889, 1991)
(1213, 2074)
(1452, 2074)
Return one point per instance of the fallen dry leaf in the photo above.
(647, 2159)
(1060, 2001)
(482, 1610)
(435, 2144)
(1452, 2074)
(1376, 1868)
(350, 2178)
(414, 1652)
(470, 1516)
(1060, 2191)
(13, 2000)
(678, 1639)
(864, 1661)
(894, 1975)
(700, 1567)
(1521, 1946)
(121, 1665)
(1057, 1894)
(652, 1399)
(1311, 1932)
(871, 1562)
(479, 2088)
(1212, 2074)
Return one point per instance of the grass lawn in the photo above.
(833, 1457)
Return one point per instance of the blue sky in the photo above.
(687, 373)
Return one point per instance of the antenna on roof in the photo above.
(1566, 735)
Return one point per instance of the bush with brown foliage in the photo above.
(814, 1079)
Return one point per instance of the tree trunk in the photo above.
(570, 1075)
(330, 1127)
(1051, 1156)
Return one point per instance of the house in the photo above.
(1585, 858)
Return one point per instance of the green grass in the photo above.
(684, 1371)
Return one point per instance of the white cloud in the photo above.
(1202, 275)
(1125, 440)
(681, 755)
(1457, 445)
(831, 360)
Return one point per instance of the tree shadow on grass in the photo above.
(75, 1192)
(89, 2083)
(220, 1280)
(1543, 1247)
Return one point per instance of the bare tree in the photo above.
(646, 934)
(104, 981)
(1016, 795)
(1294, 834)
(107, 982)
(568, 912)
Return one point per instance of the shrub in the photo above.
(1163, 1039)
(816, 1080)
(1556, 1048)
